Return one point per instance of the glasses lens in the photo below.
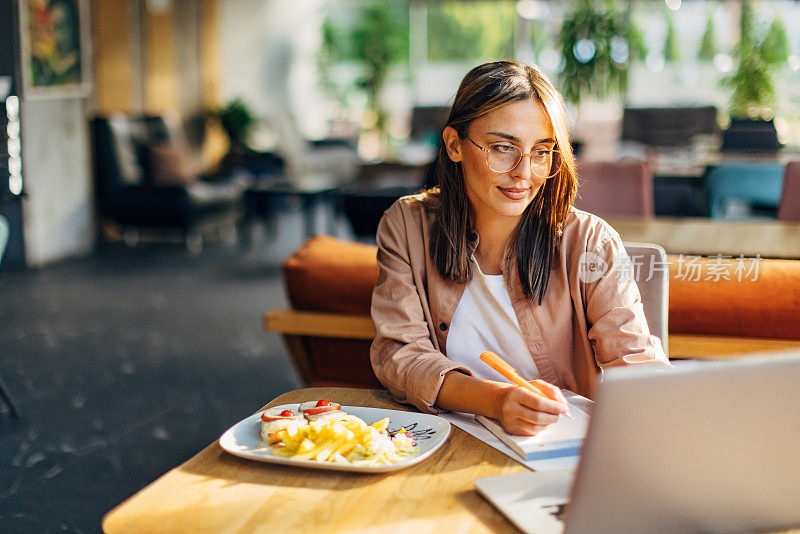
(503, 157)
(545, 163)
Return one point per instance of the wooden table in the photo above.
(219, 492)
(770, 239)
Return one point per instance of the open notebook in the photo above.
(563, 438)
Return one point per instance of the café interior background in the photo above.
(126, 350)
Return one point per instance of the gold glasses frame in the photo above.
(553, 152)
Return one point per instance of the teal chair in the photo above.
(3, 241)
(757, 185)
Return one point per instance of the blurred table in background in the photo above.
(376, 188)
(267, 198)
(694, 235)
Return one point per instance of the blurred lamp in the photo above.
(159, 7)
(619, 50)
(584, 50)
(551, 60)
(531, 9)
(723, 62)
(12, 108)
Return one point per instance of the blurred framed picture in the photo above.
(54, 37)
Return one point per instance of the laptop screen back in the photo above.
(711, 447)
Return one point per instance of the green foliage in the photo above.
(599, 21)
(752, 82)
(747, 23)
(470, 30)
(636, 45)
(380, 40)
(672, 50)
(775, 48)
(329, 52)
(708, 44)
(538, 37)
(236, 118)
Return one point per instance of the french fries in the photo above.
(344, 438)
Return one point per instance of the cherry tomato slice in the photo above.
(323, 402)
(287, 413)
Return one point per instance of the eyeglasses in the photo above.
(504, 157)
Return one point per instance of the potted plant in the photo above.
(598, 44)
(752, 127)
(672, 48)
(236, 120)
(708, 43)
(379, 41)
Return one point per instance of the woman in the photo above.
(496, 258)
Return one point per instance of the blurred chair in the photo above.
(145, 180)
(380, 184)
(620, 188)
(789, 207)
(4, 230)
(651, 272)
(364, 207)
(328, 329)
(337, 159)
(329, 282)
(757, 186)
(377, 188)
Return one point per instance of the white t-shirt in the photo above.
(485, 320)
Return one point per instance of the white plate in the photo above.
(244, 438)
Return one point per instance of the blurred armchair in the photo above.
(145, 180)
(335, 158)
(620, 188)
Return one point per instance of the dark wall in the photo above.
(10, 205)
(7, 19)
(8, 31)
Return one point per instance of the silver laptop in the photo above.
(709, 447)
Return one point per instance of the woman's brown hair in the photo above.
(537, 236)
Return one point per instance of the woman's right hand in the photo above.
(524, 413)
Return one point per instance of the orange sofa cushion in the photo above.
(762, 299)
(328, 275)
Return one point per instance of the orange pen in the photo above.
(501, 366)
